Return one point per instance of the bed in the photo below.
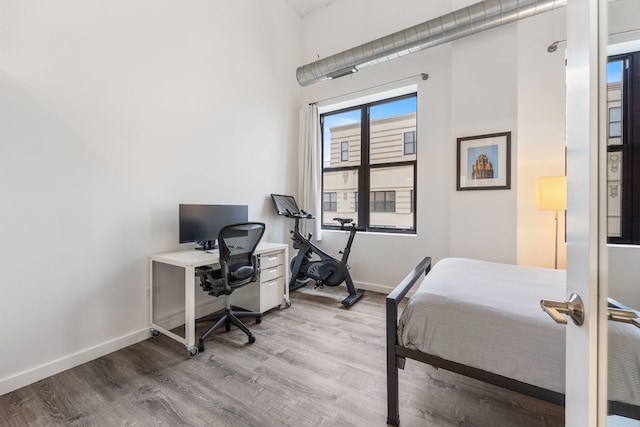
(483, 320)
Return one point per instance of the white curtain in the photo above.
(310, 169)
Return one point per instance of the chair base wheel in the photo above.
(252, 339)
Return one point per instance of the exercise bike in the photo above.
(311, 262)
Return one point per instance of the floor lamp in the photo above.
(552, 195)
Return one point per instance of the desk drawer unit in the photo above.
(271, 280)
(269, 292)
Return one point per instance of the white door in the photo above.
(583, 231)
(587, 252)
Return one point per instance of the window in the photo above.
(623, 149)
(412, 199)
(410, 142)
(380, 143)
(344, 151)
(615, 122)
(330, 202)
(383, 201)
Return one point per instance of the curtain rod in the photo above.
(554, 46)
(424, 76)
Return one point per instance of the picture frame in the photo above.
(484, 162)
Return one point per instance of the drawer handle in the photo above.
(273, 270)
(273, 257)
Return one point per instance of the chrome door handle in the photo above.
(573, 308)
(625, 316)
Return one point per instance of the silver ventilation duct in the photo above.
(452, 26)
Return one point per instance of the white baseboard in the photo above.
(45, 370)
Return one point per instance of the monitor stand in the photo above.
(206, 245)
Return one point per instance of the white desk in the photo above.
(164, 276)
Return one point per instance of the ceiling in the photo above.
(304, 7)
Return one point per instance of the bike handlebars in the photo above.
(302, 214)
(343, 221)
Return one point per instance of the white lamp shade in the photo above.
(552, 193)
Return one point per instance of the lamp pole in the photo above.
(555, 265)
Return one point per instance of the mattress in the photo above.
(487, 315)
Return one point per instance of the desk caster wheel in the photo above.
(258, 319)
(154, 333)
(252, 339)
(192, 352)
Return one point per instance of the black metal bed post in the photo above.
(392, 301)
(393, 407)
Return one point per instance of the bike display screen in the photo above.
(285, 205)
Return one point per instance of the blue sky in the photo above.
(614, 71)
(403, 106)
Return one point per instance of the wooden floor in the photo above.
(313, 364)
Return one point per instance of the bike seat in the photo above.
(343, 221)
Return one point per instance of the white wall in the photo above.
(476, 86)
(111, 114)
(484, 100)
(541, 135)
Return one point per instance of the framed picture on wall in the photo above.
(484, 162)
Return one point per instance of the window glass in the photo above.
(391, 123)
(342, 185)
(614, 71)
(344, 151)
(614, 193)
(410, 142)
(369, 162)
(614, 101)
(330, 202)
(614, 142)
(344, 126)
(391, 197)
(383, 201)
(623, 149)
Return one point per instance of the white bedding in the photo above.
(488, 316)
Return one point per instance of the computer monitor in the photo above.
(285, 205)
(202, 223)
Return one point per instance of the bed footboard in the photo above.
(393, 363)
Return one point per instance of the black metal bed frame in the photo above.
(397, 354)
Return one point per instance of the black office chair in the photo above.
(238, 267)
